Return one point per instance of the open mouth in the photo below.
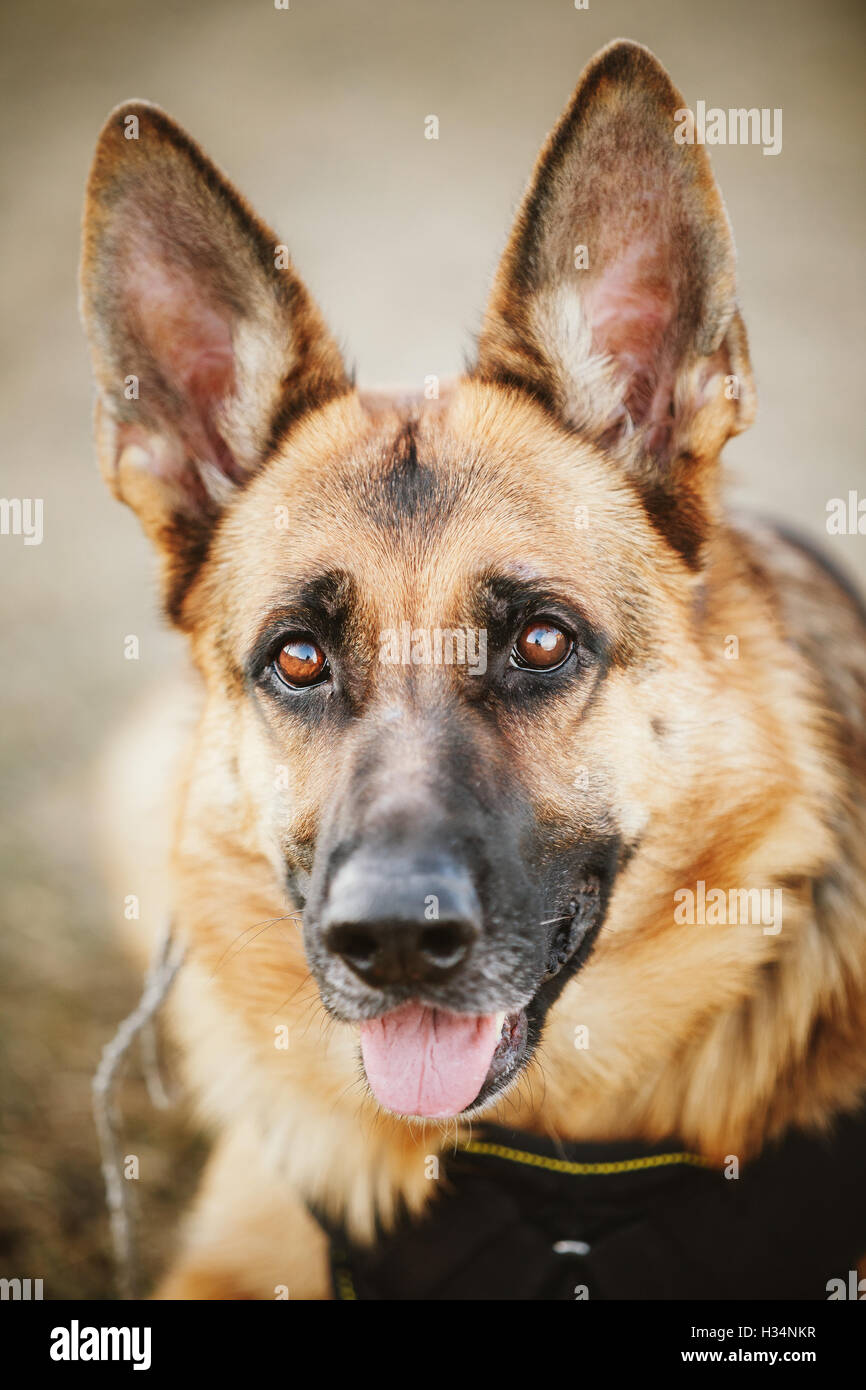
(428, 1062)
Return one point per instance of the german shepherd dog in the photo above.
(523, 819)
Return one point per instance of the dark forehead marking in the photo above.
(407, 488)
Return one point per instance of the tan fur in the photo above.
(742, 773)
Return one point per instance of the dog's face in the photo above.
(444, 645)
(447, 817)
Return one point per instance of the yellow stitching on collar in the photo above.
(581, 1170)
(345, 1285)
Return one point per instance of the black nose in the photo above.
(399, 921)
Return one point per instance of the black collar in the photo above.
(518, 1217)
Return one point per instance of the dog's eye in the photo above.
(302, 662)
(542, 646)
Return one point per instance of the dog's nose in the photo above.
(400, 921)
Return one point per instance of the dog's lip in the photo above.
(509, 1056)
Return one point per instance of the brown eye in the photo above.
(302, 662)
(542, 646)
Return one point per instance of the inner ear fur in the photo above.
(614, 303)
(206, 345)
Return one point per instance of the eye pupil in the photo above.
(542, 646)
(302, 662)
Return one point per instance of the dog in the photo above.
(518, 839)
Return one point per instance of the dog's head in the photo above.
(444, 643)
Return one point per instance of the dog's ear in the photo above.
(206, 345)
(614, 303)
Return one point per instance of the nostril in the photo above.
(374, 918)
(386, 952)
(357, 945)
(445, 944)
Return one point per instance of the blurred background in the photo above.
(317, 113)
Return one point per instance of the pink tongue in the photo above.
(423, 1061)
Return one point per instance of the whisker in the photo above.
(272, 922)
(305, 980)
